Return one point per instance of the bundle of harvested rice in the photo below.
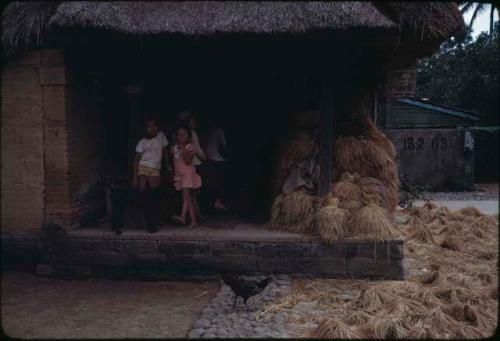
(451, 242)
(374, 134)
(347, 191)
(331, 222)
(329, 199)
(470, 211)
(372, 222)
(333, 329)
(357, 318)
(456, 297)
(422, 234)
(390, 327)
(346, 188)
(364, 157)
(293, 212)
(375, 187)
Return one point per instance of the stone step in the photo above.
(203, 252)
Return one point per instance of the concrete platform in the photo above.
(220, 246)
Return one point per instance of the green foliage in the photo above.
(464, 74)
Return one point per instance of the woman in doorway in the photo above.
(185, 179)
(147, 164)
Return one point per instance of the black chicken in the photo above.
(245, 288)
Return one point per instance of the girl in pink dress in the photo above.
(185, 179)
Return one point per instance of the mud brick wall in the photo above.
(22, 145)
(53, 79)
(436, 158)
(49, 144)
(400, 83)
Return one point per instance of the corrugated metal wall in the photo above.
(402, 115)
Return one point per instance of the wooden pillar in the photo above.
(325, 141)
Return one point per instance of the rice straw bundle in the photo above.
(422, 234)
(470, 212)
(357, 318)
(456, 297)
(389, 327)
(376, 136)
(429, 205)
(372, 222)
(329, 199)
(331, 222)
(333, 329)
(346, 189)
(451, 242)
(364, 157)
(375, 187)
(293, 212)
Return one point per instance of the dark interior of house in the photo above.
(249, 87)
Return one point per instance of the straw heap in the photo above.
(456, 297)
(331, 221)
(293, 212)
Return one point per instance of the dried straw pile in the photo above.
(372, 222)
(455, 298)
(293, 212)
(331, 221)
(370, 154)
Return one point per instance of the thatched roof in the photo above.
(27, 23)
(208, 17)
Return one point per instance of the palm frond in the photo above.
(480, 7)
(466, 6)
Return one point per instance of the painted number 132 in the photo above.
(409, 143)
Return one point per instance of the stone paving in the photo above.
(220, 320)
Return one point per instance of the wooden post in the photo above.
(325, 141)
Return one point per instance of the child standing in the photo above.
(147, 164)
(186, 180)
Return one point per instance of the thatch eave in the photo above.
(30, 24)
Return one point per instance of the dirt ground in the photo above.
(38, 307)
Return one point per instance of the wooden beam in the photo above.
(325, 141)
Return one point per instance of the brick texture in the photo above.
(400, 83)
(22, 164)
(51, 145)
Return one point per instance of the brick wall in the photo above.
(22, 154)
(400, 83)
(53, 79)
(50, 144)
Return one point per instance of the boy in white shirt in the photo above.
(150, 152)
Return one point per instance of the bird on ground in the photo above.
(244, 288)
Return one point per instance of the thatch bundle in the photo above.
(293, 212)
(456, 297)
(331, 221)
(372, 133)
(374, 187)
(334, 329)
(368, 159)
(372, 222)
(347, 191)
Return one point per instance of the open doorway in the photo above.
(253, 107)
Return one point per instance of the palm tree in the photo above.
(478, 8)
